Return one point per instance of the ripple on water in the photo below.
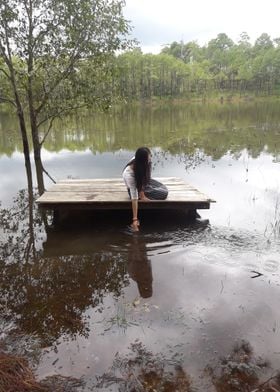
(222, 246)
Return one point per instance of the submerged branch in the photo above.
(45, 171)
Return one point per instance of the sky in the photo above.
(160, 22)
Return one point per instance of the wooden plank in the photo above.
(117, 179)
(111, 193)
(114, 183)
(114, 189)
(85, 197)
(112, 186)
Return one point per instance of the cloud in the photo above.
(158, 22)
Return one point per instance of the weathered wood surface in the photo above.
(112, 194)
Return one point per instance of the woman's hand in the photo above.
(135, 225)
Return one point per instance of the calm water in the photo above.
(92, 298)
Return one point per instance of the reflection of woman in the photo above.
(139, 267)
(137, 177)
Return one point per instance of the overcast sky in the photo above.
(159, 22)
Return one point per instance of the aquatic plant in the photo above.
(142, 370)
(242, 371)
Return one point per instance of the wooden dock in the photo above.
(111, 194)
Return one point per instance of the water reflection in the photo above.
(212, 128)
(73, 288)
(139, 266)
(77, 277)
(46, 292)
(49, 276)
(49, 297)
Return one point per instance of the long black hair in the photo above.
(142, 167)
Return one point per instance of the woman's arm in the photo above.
(129, 179)
(135, 222)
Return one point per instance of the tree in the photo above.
(219, 52)
(188, 52)
(175, 49)
(222, 43)
(277, 42)
(43, 45)
(262, 44)
(244, 40)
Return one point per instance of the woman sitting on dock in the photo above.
(140, 185)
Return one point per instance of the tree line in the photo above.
(184, 70)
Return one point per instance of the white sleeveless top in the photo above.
(130, 182)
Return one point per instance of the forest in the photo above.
(221, 68)
(186, 70)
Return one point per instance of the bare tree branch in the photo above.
(73, 58)
(8, 100)
(48, 130)
(60, 112)
(42, 33)
(9, 57)
(5, 73)
(3, 54)
(45, 171)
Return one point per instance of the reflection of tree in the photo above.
(242, 371)
(179, 129)
(18, 223)
(187, 156)
(49, 295)
(143, 371)
(139, 266)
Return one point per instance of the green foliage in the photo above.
(46, 47)
(186, 70)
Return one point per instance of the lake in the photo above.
(176, 305)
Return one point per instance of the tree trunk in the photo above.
(35, 137)
(37, 151)
(32, 111)
(30, 249)
(26, 150)
(24, 137)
